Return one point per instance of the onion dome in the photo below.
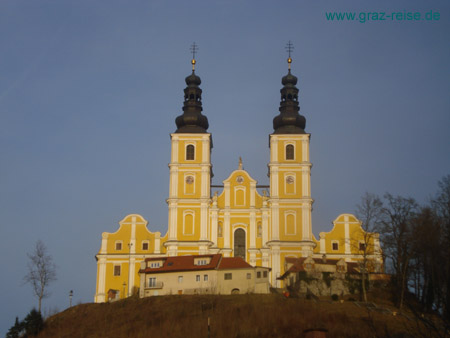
(192, 120)
(289, 121)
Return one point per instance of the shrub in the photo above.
(33, 323)
(15, 330)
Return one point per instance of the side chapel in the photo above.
(264, 229)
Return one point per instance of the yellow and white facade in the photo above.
(237, 220)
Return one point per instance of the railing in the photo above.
(157, 285)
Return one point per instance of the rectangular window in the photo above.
(249, 276)
(145, 246)
(205, 278)
(228, 276)
(152, 282)
(258, 274)
(118, 245)
(335, 246)
(362, 246)
(265, 274)
(154, 265)
(197, 278)
(116, 270)
(180, 279)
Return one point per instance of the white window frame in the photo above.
(285, 151)
(286, 175)
(148, 245)
(188, 212)
(240, 188)
(185, 151)
(186, 175)
(332, 247)
(286, 214)
(121, 245)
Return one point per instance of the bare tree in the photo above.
(441, 205)
(369, 213)
(397, 236)
(41, 271)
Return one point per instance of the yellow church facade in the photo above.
(263, 224)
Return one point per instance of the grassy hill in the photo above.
(230, 316)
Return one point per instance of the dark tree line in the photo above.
(29, 327)
(416, 245)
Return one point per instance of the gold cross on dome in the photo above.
(289, 48)
(194, 50)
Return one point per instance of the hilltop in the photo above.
(230, 316)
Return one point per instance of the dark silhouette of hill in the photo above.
(230, 316)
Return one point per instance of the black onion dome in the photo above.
(289, 121)
(192, 120)
(193, 79)
(289, 79)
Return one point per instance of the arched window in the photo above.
(239, 243)
(190, 151)
(289, 152)
(259, 229)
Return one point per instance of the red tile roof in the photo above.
(182, 263)
(233, 263)
(186, 263)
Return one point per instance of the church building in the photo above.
(262, 228)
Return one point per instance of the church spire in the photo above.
(289, 121)
(192, 120)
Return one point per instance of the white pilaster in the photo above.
(322, 243)
(306, 222)
(204, 221)
(172, 220)
(305, 149)
(275, 266)
(252, 229)
(305, 181)
(227, 194)
(226, 230)
(347, 235)
(265, 227)
(214, 224)
(132, 271)
(157, 249)
(100, 297)
(252, 194)
(275, 221)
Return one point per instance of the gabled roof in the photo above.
(233, 263)
(186, 263)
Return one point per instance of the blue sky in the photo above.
(89, 92)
